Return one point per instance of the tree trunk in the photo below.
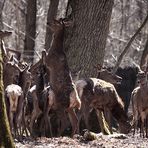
(29, 44)
(85, 42)
(144, 58)
(2, 2)
(52, 12)
(6, 140)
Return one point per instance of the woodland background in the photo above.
(127, 16)
(88, 43)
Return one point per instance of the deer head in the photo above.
(105, 74)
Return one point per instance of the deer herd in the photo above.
(44, 98)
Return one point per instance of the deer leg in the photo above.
(36, 112)
(46, 120)
(11, 123)
(18, 122)
(86, 119)
(73, 119)
(103, 124)
(62, 122)
(85, 109)
(146, 127)
(135, 121)
(108, 119)
(26, 124)
(24, 129)
(140, 125)
(143, 118)
(79, 120)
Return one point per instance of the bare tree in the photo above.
(1, 9)
(29, 44)
(5, 134)
(86, 41)
(144, 58)
(128, 44)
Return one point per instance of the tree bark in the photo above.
(85, 42)
(29, 43)
(6, 139)
(144, 58)
(2, 2)
(52, 12)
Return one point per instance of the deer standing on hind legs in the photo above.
(66, 96)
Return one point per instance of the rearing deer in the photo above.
(65, 92)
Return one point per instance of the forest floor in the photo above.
(101, 141)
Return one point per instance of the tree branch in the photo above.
(128, 45)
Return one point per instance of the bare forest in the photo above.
(73, 73)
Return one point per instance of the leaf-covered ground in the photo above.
(102, 141)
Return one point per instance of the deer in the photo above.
(65, 93)
(25, 80)
(15, 99)
(100, 95)
(41, 97)
(140, 103)
(10, 70)
(11, 73)
(103, 74)
(13, 93)
(107, 75)
(85, 109)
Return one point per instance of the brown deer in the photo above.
(107, 75)
(140, 103)
(66, 96)
(11, 73)
(10, 70)
(13, 93)
(104, 74)
(101, 95)
(15, 100)
(41, 98)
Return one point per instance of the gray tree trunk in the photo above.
(29, 44)
(85, 42)
(144, 58)
(1, 9)
(6, 140)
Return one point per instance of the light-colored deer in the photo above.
(140, 103)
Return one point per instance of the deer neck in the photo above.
(57, 42)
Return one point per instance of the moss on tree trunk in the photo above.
(6, 139)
